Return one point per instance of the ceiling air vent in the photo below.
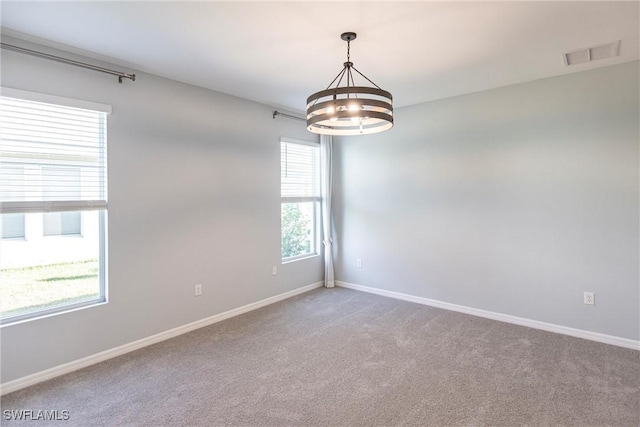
(583, 56)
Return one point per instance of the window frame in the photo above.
(100, 206)
(315, 200)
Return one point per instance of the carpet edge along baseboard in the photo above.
(535, 324)
(56, 371)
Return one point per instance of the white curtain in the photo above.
(327, 222)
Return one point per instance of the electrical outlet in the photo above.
(590, 298)
(359, 263)
(198, 290)
(274, 270)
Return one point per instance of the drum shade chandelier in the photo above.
(350, 109)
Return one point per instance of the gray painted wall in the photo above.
(194, 197)
(514, 200)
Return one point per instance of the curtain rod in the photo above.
(278, 113)
(19, 49)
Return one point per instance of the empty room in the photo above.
(308, 213)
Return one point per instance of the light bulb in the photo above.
(353, 107)
(331, 110)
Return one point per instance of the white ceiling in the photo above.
(278, 53)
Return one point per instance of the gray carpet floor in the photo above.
(340, 357)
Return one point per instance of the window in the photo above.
(13, 226)
(53, 176)
(300, 197)
(62, 224)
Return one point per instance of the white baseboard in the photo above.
(535, 324)
(56, 371)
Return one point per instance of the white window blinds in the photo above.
(299, 167)
(52, 157)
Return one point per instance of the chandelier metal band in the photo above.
(349, 110)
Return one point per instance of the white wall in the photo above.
(514, 200)
(194, 197)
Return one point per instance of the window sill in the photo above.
(299, 258)
(38, 315)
